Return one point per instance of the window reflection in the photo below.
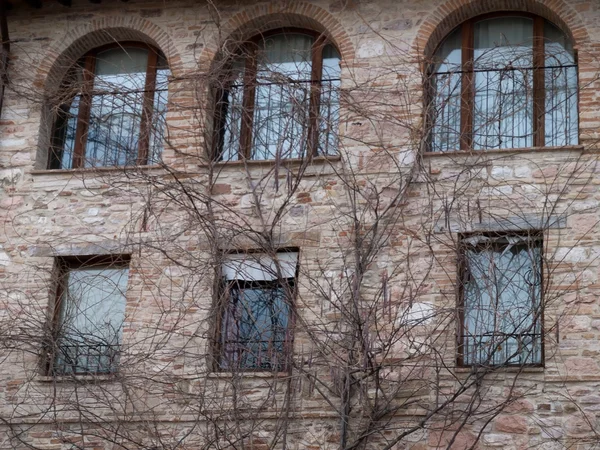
(502, 301)
(114, 117)
(276, 82)
(491, 76)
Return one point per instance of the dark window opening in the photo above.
(255, 327)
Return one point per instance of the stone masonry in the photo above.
(176, 221)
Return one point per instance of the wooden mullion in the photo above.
(312, 148)
(218, 132)
(147, 108)
(538, 83)
(61, 272)
(467, 89)
(83, 117)
(221, 287)
(461, 280)
(245, 150)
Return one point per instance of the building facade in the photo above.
(328, 224)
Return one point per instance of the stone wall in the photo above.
(177, 220)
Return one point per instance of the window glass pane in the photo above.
(503, 64)
(446, 105)
(502, 306)
(159, 112)
(329, 114)
(116, 107)
(260, 267)
(282, 98)
(91, 322)
(65, 126)
(448, 57)
(255, 321)
(231, 107)
(560, 77)
(255, 329)
(63, 141)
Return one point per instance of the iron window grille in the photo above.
(255, 329)
(112, 109)
(88, 316)
(279, 98)
(501, 307)
(503, 81)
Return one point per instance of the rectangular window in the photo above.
(501, 301)
(255, 328)
(89, 315)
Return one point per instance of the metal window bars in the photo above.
(85, 359)
(281, 120)
(503, 108)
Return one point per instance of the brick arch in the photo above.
(267, 16)
(452, 13)
(80, 40)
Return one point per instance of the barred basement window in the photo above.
(112, 111)
(255, 329)
(504, 81)
(501, 304)
(279, 98)
(88, 315)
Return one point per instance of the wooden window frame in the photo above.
(468, 79)
(63, 267)
(462, 272)
(249, 52)
(222, 303)
(88, 66)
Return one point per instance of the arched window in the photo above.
(112, 109)
(279, 98)
(504, 81)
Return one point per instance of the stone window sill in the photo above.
(484, 152)
(93, 170)
(509, 369)
(248, 374)
(270, 162)
(88, 379)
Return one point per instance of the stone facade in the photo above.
(376, 226)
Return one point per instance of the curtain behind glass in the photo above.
(116, 107)
(231, 104)
(93, 310)
(446, 104)
(502, 301)
(329, 111)
(65, 127)
(158, 118)
(560, 78)
(282, 98)
(503, 64)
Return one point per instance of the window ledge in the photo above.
(249, 374)
(270, 162)
(94, 170)
(508, 369)
(483, 152)
(89, 379)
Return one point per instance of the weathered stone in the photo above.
(511, 424)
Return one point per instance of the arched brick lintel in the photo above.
(452, 13)
(269, 16)
(80, 40)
